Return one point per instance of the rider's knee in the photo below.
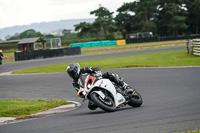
(111, 76)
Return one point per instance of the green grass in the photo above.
(8, 54)
(22, 108)
(8, 57)
(160, 59)
(195, 131)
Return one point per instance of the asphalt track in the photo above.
(171, 101)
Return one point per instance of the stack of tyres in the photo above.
(196, 47)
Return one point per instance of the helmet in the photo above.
(74, 70)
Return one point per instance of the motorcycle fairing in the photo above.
(107, 85)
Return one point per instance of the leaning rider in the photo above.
(74, 70)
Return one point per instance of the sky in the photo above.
(25, 12)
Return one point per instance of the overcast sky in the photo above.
(23, 12)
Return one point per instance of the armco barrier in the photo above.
(193, 46)
(94, 44)
(19, 55)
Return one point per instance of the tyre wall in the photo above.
(39, 54)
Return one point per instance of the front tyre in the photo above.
(106, 104)
(135, 100)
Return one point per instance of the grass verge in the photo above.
(159, 59)
(8, 57)
(195, 131)
(22, 108)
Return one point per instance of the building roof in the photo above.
(24, 41)
(30, 40)
(9, 41)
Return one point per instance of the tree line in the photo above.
(162, 17)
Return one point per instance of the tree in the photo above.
(16, 36)
(27, 34)
(49, 36)
(145, 13)
(96, 29)
(102, 12)
(125, 18)
(87, 28)
(83, 27)
(136, 16)
(171, 17)
(105, 21)
(193, 17)
(30, 33)
(66, 32)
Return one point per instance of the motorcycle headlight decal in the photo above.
(90, 81)
(88, 86)
(81, 93)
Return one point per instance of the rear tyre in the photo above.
(135, 100)
(106, 104)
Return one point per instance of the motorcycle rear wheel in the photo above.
(135, 100)
(108, 105)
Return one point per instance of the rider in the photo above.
(74, 70)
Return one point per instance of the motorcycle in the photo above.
(104, 94)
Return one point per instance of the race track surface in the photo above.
(171, 102)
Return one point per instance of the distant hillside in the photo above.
(44, 27)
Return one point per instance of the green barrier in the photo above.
(108, 43)
(94, 44)
(76, 45)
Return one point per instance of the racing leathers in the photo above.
(108, 75)
(90, 70)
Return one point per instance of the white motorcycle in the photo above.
(103, 93)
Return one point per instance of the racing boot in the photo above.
(127, 89)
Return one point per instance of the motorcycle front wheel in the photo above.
(135, 100)
(107, 104)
